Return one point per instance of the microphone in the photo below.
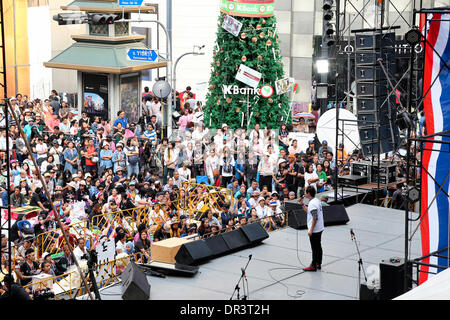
(250, 257)
(351, 233)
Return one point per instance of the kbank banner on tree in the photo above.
(248, 8)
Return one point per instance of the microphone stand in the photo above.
(244, 280)
(360, 263)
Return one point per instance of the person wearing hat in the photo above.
(47, 258)
(276, 214)
(118, 158)
(226, 215)
(253, 200)
(28, 127)
(311, 151)
(106, 156)
(324, 147)
(261, 208)
(345, 170)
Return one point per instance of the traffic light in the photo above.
(102, 18)
(70, 18)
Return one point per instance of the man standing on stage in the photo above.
(315, 227)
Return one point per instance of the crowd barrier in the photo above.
(196, 199)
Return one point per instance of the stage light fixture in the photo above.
(327, 4)
(413, 37)
(413, 194)
(322, 66)
(327, 15)
(329, 29)
(328, 40)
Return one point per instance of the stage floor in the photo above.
(275, 271)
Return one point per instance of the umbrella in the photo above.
(192, 103)
(304, 115)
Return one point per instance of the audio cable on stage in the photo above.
(299, 293)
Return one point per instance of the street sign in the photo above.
(134, 3)
(142, 55)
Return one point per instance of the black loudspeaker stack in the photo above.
(198, 251)
(376, 113)
(392, 277)
(135, 285)
(332, 215)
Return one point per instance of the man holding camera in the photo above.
(315, 227)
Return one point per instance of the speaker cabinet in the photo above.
(368, 294)
(372, 104)
(135, 285)
(375, 41)
(236, 239)
(392, 276)
(296, 219)
(193, 253)
(370, 57)
(372, 88)
(254, 232)
(217, 245)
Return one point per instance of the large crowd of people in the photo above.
(115, 165)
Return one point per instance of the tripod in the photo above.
(244, 280)
(360, 262)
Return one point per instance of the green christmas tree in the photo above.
(257, 47)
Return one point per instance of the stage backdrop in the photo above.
(435, 204)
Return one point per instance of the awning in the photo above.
(108, 6)
(435, 288)
(102, 58)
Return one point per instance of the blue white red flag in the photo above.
(435, 206)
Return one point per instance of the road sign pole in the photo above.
(169, 68)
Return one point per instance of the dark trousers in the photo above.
(226, 181)
(316, 248)
(265, 181)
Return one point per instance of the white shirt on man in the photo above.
(315, 212)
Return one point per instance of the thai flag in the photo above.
(435, 204)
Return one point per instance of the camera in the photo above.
(43, 294)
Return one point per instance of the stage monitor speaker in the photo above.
(296, 219)
(392, 273)
(368, 294)
(217, 245)
(292, 205)
(135, 285)
(254, 232)
(335, 215)
(332, 215)
(176, 269)
(236, 239)
(193, 253)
